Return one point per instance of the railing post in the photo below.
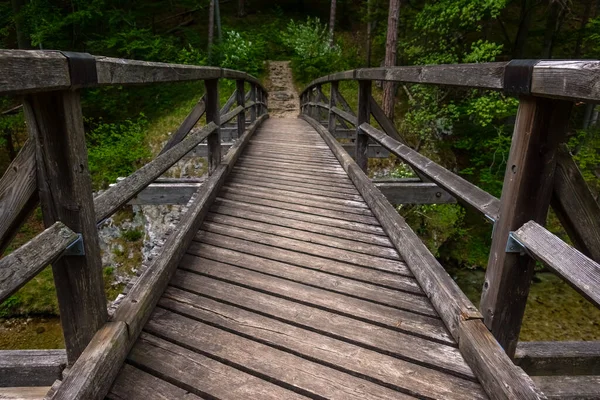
(253, 98)
(55, 122)
(540, 126)
(241, 101)
(332, 102)
(213, 114)
(364, 115)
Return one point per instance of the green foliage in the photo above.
(240, 53)
(132, 235)
(313, 57)
(116, 149)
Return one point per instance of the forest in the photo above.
(467, 131)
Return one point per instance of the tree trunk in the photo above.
(211, 26)
(555, 13)
(391, 45)
(241, 8)
(332, 22)
(218, 19)
(23, 40)
(581, 33)
(523, 32)
(369, 32)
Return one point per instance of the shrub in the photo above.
(116, 150)
(313, 57)
(237, 52)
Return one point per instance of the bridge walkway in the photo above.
(291, 289)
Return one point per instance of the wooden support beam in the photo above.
(18, 193)
(212, 115)
(241, 101)
(117, 195)
(579, 271)
(31, 367)
(93, 374)
(569, 387)
(540, 126)
(186, 126)
(65, 188)
(332, 103)
(20, 266)
(414, 193)
(559, 358)
(166, 194)
(575, 206)
(229, 103)
(458, 187)
(346, 116)
(364, 116)
(253, 100)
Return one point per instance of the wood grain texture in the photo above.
(361, 142)
(135, 384)
(569, 79)
(452, 183)
(579, 271)
(346, 116)
(92, 375)
(500, 378)
(46, 70)
(18, 193)
(575, 206)
(23, 393)
(55, 121)
(368, 363)
(114, 197)
(31, 367)
(540, 126)
(569, 387)
(559, 358)
(241, 101)
(23, 264)
(414, 193)
(213, 140)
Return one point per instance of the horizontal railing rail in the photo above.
(539, 172)
(52, 168)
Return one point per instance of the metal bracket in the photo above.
(514, 246)
(517, 76)
(82, 69)
(76, 248)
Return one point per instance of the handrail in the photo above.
(49, 70)
(55, 166)
(572, 80)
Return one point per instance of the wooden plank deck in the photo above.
(292, 290)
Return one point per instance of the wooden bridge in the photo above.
(290, 274)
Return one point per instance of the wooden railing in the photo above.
(540, 172)
(53, 167)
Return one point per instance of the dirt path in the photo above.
(283, 98)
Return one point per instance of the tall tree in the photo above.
(241, 8)
(585, 18)
(556, 13)
(332, 21)
(211, 26)
(23, 40)
(369, 31)
(218, 19)
(391, 48)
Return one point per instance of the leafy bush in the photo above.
(313, 57)
(237, 52)
(116, 150)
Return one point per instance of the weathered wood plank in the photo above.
(110, 200)
(404, 375)
(373, 150)
(579, 271)
(450, 302)
(229, 103)
(292, 219)
(559, 358)
(186, 126)
(213, 140)
(202, 375)
(23, 393)
(55, 122)
(332, 188)
(346, 116)
(31, 367)
(241, 101)
(135, 384)
(92, 375)
(289, 370)
(568, 79)
(18, 193)
(46, 70)
(569, 387)
(455, 185)
(540, 126)
(575, 206)
(22, 265)
(500, 378)
(414, 193)
(166, 193)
